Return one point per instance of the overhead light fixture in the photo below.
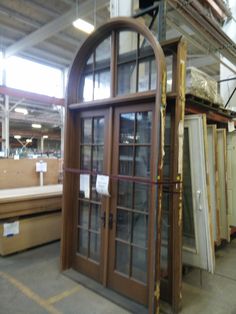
(45, 136)
(28, 140)
(83, 26)
(21, 110)
(17, 137)
(36, 126)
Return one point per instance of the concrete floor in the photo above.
(30, 282)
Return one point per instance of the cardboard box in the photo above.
(33, 231)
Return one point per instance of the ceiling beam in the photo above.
(32, 96)
(54, 27)
(34, 24)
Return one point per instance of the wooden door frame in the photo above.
(171, 289)
(74, 103)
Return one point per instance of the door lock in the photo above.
(110, 222)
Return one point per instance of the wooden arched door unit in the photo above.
(114, 126)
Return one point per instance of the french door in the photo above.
(112, 234)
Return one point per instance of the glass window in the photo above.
(127, 45)
(127, 127)
(127, 74)
(103, 53)
(102, 85)
(88, 88)
(144, 76)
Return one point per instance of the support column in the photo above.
(5, 127)
(42, 144)
(62, 111)
(121, 7)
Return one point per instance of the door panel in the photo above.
(221, 152)
(197, 231)
(231, 177)
(213, 175)
(130, 203)
(88, 256)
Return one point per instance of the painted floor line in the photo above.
(29, 293)
(62, 295)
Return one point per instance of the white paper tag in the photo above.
(102, 185)
(41, 167)
(85, 185)
(11, 228)
(231, 126)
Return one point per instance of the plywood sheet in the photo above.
(221, 153)
(32, 231)
(21, 173)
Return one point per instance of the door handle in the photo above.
(110, 221)
(103, 219)
(199, 203)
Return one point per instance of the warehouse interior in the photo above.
(117, 156)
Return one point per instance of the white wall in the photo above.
(227, 88)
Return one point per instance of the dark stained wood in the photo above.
(74, 96)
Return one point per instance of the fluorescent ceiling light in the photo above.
(83, 26)
(45, 136)
(17, 137)
(28, 140)
(36, 126)
(21, 110)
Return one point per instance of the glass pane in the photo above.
(86, 131)
(139, 264)
(142, 196)
(166, 199)
(98, 132)
(123, 225)
(169, 65)
(102, 85)
(127, 78)
(95, 221)
(90, 60)
(166, 163)
(125, 192)
(88, 88)
(95, 195)
(122, 257)
(140, 230)
(142, 161)
(144, 47)
(103, 52)
(153, 75)
(126, 161)
(127, 128)
(83, 242)
(97, 158)
(143, 76)
(85, 158)
(83, 214)
(127, 45)
(188, 216)
(168, 129)
(94, 250)
(144, 125)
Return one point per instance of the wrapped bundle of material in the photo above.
(201, 85)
